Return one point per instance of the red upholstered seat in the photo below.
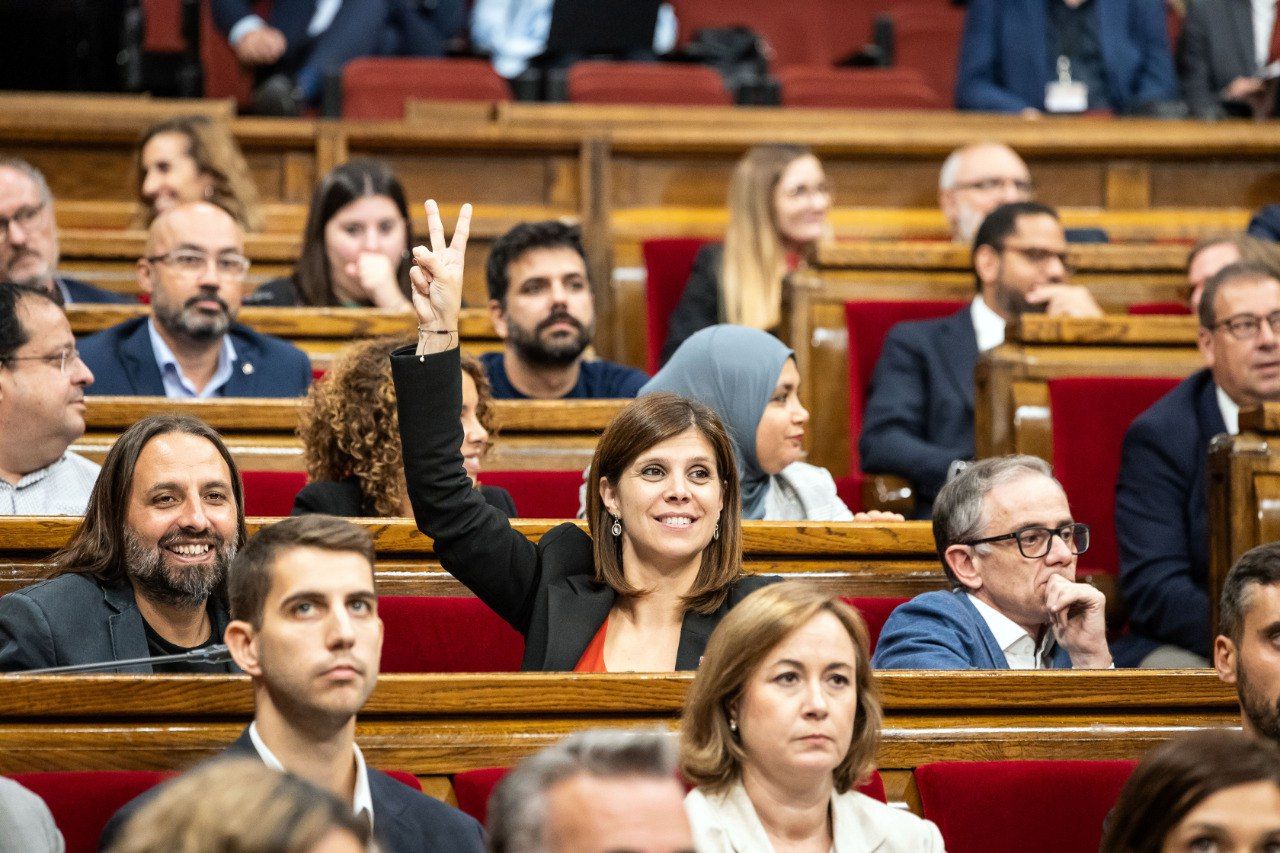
(376, 87)
(647, 83)
(83, 801)
(875, 611)
(927, 39)
(271, 492)
(798, 32)
(867, 323)
(896, 88)
(162, 26)
(1090, 418)
(224, 77)
(443, 634)
(1146, 308)
(405, 777)
(539, 494)
(1016, 806)
(667, 262)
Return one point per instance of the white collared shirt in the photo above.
(326, 11)
(62, 488)
(1230, 411)
(176, 385)
(988, 326)
(362, 802)
(1264, 18)
(1020, 649)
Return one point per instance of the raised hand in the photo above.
(437, 281)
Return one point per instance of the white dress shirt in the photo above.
(62, 488)
(326, 11)
(1019, 647)
(1264, 18)
(362, 802)
(987, 324)
(1230, 411)
(176, 385)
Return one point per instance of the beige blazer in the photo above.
(727, 823)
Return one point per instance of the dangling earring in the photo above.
(616, 530)
(715, 531)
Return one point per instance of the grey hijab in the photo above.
(734, 370)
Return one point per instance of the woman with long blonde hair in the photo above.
(194, 158)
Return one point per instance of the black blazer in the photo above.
(919, 413)
(278, 292)
(404, 820)
(83, 293)
(1216, 47)
(546, 591)
(345, 499)
(699, 305)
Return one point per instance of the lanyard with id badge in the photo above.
(1065, 95)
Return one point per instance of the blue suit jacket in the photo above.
(425, 36)
(943, 630)
(123, 363)
(919, 413)
(1005, 62)
(1162, 516)
(290, 17)
(82, 293)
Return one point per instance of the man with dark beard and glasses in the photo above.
(918, 420)
(145, 574)
(191, 346)
(1246, 652)
(542, 307)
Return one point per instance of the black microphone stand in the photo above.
(217, 653)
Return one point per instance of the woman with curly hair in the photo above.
(351, 436)
(194, 158)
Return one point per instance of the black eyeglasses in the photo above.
(986, 185)
(25, 217)
(1040, 256)
(1034, 542)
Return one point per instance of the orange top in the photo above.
(592, 659)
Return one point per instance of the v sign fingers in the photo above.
(437, 273)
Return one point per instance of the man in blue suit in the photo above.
(304, 40)
(1161, 504)
(919, 413)
(1013, 49)
(191, 346)
(1008, 546)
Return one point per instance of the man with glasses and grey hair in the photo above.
(191, 347)
(42, 387)
(595, 791)
(1161, 500)
(1008, 545)
(29, 237)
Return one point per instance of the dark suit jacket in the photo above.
(73, 619)
(943, 630)
(546, 591)
(1216, 47)
(123, 362)
(345, 499)
(404, 820)
(1005, 62)
(1162, 516)
(83, 293)
(699, 305)
(919, 413)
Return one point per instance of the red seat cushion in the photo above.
(667, 262)
(539, 494)
(473, 788)
(443, 634)
(1146, 308)
(875, 611)
(162, 26)
(271, 493)
(1086, 451)
(377, 87)
(1015, 806)
(647, 83)
(858, 88)
(83, 801)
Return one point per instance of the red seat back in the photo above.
(799, 32)
(377, 87)
(405, 778)
(271, 492)
(875, 612)
(224, 77)
(927, 38)
(443, 634)
(858, 88)
(162, 26)
(1146, 308)
(1090, 418)
(667, 263)
(1015, 806)
(82, 801)
(539, 494)
(647, 83)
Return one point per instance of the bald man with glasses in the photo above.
(191, 347)
(1162, 507)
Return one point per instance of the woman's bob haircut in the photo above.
(711, 756)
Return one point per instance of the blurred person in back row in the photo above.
(194, 158)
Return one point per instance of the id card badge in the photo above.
(1065, 95)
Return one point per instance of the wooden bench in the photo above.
(434, 726)
(1011, 397)
(877, 560)
(262, 433)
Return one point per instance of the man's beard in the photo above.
(173, 584)
(191, 323)
(1263, 713)
(560, 352)
(1014, 302)
(968, 220)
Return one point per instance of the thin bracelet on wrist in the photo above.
(423, 330)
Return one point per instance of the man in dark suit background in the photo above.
(29, 249)
(303, 40)
(306, 629)
(191, 346)
(919, 414)
(1011, 50)
(1161, 504)
(1223, 51)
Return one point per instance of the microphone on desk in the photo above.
(217, 653)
